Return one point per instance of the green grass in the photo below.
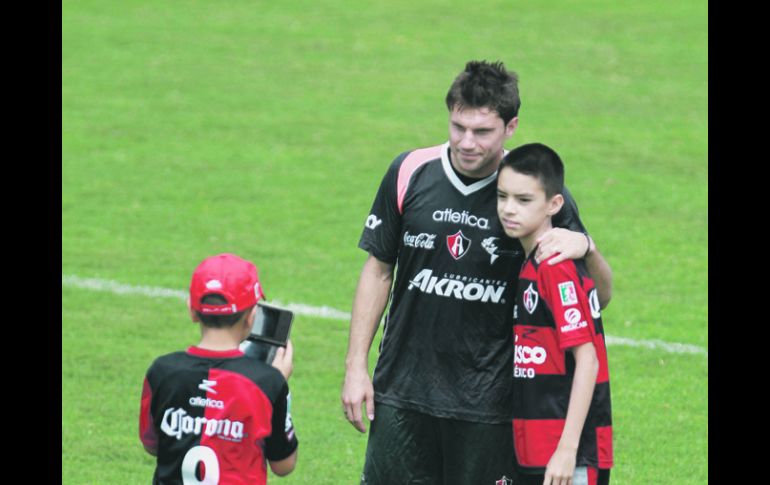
(264, 128)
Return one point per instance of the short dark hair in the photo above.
(483, 84)
(539, 161)
(219, 321)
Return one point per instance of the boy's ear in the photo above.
(251, 318)
(555, 204)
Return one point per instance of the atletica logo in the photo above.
(177, 423)
(206, 402)
(449, 215)
(461, 287)
(422, 240)
(208, 386)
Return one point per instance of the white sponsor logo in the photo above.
(572, 315)
(593, 302)
(567, 293)
(524, 354)
(213, 285)
(530, 298)
(288, 425)
(459, 287)
(524, 372)
(208, 386)
(422, 240)
(449, 215)
(205, 402)
(372, 222)
(489, 246)
(573, 326)
(177, 423)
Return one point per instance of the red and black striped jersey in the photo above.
(557, 308)
(446, 345)
(214, 415)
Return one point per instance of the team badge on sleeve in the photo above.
(567, 293)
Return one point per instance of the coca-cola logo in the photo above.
(422, 240)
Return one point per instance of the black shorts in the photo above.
(409, 447)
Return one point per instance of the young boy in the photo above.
(211, 414)
(562, 426)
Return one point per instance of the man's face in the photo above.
(476, 138)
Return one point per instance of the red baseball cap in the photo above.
(229, 276)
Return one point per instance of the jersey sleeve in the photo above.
(568, 302)
(568, 217)
(146, 429)
(382, 228)
(282, 441)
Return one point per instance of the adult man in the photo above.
(443, 379)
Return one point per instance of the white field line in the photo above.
(118, 288)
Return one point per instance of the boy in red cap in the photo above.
(210, 414)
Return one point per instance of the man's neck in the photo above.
(467, 179)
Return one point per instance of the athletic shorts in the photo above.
(409, 447)
(584, 475)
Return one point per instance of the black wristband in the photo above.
(588, 240)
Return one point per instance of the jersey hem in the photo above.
(442, 413)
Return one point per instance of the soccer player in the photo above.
(442, 383)
(210, 414)
(562, 422)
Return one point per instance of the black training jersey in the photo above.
(446, 346)
(557, 308)
(214, 415)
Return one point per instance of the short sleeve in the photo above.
(282, 441)
(146, 429)
(566, 298)
(382, 228)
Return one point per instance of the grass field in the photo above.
(264, 128)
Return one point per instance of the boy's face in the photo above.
(476, 139)
(522, 205)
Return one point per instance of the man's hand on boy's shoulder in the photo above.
(569, 245)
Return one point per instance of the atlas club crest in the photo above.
(530, 299)
(458, 244)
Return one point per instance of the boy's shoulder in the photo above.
(567, 267)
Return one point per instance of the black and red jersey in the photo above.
(557, 308)
(446, 346)
(217, 415)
